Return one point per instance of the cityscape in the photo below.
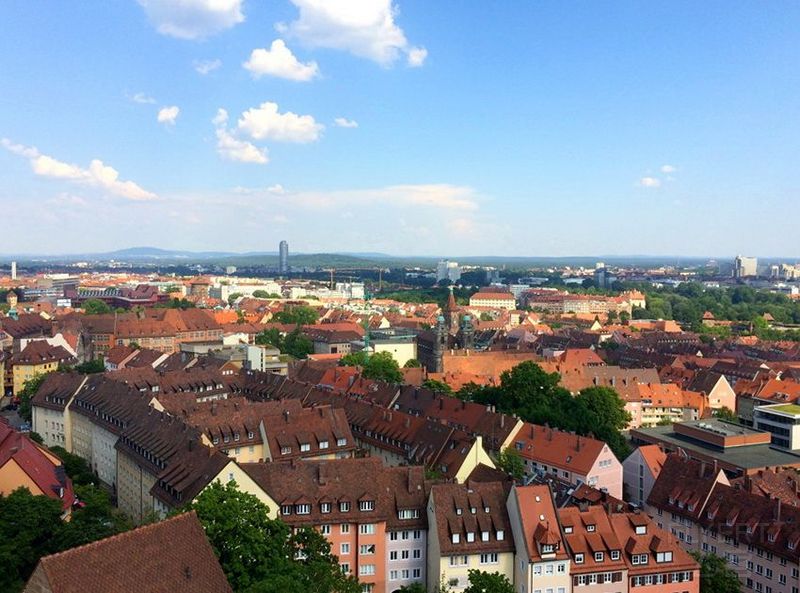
(379, 315)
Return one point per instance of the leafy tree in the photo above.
(269, 337)
(726, 414)
(437, 386)
(412, 363)
(380, 366)
(295, 343)
(175, 303)
(87, 368)
(262, 555)
(601, 411)
(510, 461)
(486, 316)
(95, 519)
(624, 316)
(354, 359)
(297, 315)
(715, 575)
(76, 467)
(95, 307)
(488, 582)
(29, 389)
(263, 294)
(27, 525)
(233, 296)
(413, 588)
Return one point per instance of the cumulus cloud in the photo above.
(651, 182)
(141, 98)
(366, 29)
(193, 19)
(668, 169)
(279, 61)
(343, 122)
(204, 67)
(276, 189)
(98, 174)
(231, 148)
(266, 123)
(168, 115)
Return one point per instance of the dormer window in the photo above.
(341, 442)
(458, 510)
(567, 529)
(305, 447)
(484, 536)
(771, 537)
(408, 514)
(791, 544)
(344, 507)
(599, 556)
(286, 450)
(366, 505)
(590, 528)
(641, 529)
(456, 539)
(486, 509)
(286, 509)
(548, 549)
(578, 558)
(325, 507)
(664, 557)
(500, 535)
(470, 536)
(323, 444)
(303, 509)
(226, 439)
(215, 440)
(473, 510)
(235, 436)
(250, 435)
(615, 554)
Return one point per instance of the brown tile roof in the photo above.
(389, 489)
(173, 555)
(539, 521)
(556, 448)
(453, 506)
(40, 352)
(57, 389)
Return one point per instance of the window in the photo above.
(341, 442)
(459, 560)
(325, 529)
(393, 555)
(344, 528)
(470, 536)
(417, 553)
(590, 528)
(344, 507)
(567, 529)
(366, 505)
(286, 509)
(305, 447)
(286, 450)
(615, 554)
(408, 514)
(323, 444)
(345, 567)
(578, 558)
(548, 548)
(366, 529)
(392, 575)
(664, 557)
(484, 536)
(366, 570)
(500, 535)
(599, 556)
(489, 558)
(366, 549)
(416, 573)
(302, 509)
(404, 555)
(642, 529)
(325, 507)
(639, 559)
(456, 538)
(344, 549)
(393, 536)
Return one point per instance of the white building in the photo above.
(448, 270)
(744, 267)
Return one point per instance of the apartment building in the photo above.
(757, 535)
(573, 458)
(640, 470)
(37, 358)
(543, 562)
(468, 528)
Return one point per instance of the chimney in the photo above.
(286, 415)
(407, 422)
(441, 403)
(502, 420)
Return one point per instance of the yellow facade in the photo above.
(476, 455)
(232, 472)
(26, 372)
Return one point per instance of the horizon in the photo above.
(398, 126)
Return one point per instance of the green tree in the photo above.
(233, 296)
(601, 411)
(262, 555)
(29, 389)
(297, 315)
(510, 461)
(437, 386)
(354, 359)
(624, 316)
(413, 588)
(95, 519)
(297, 344)
(412, 363)
(382, 366)
(27, 526)
(488, 582)
(95, 307)
(269, 337)
(726, 414)
(715, 575)
(76, 467)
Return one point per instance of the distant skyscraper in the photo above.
(448, 270)
(13, 270)
(283, 263)
(745, 266)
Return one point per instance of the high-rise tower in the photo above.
(283, 257)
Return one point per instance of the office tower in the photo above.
(283, 264)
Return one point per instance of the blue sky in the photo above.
(406, 127)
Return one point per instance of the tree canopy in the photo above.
(380, 366)
(95, 307)
(715, 575)
(262, 555)
(295, 343)
(297, 315)
(437, 386)
(510, 461)
(29, 389)
(488, 582)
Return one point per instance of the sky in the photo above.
(407, 127)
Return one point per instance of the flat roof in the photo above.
(722, 428)
(791, 409)
(745, 456)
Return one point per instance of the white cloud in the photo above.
(266, 123)
(204, 67)
(168, 115)
(141, 98)
(343, 122)
(279, 61)
(277, 189)
(365, 28)
(193, 19)
(416, 56)
(97, 175)
(233, 149)
(668, 169)
(651, 182)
